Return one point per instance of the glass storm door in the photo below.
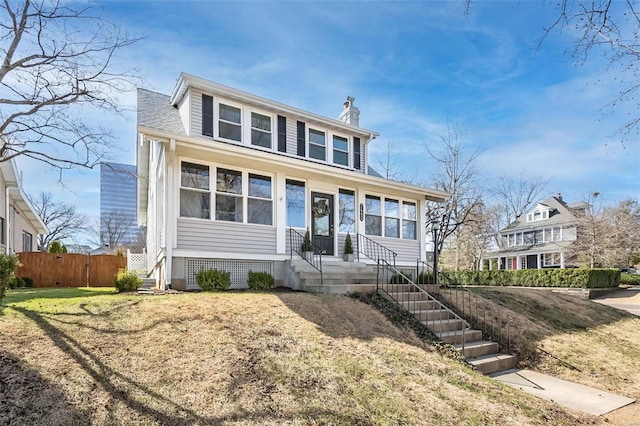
(322, 222)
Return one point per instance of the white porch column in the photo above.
(539, 260)
(518, 262)
(561, 259)
(422, 229)
(171, 203)
(281, 214)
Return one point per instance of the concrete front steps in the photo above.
(485, 356)
(338, 277)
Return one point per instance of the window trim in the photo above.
(24, 239)
(325, 146)
(400, 217)
(216, 116)
(192, 189)
(353, 193)
(348, 152)
(249, 128)
(213, 185)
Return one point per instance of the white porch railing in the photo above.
(136, 261)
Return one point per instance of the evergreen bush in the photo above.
(213, 280)
(260, 280)
(8, 266)
(306, 243)
(127, 281)
(348, 244)
(574, 278)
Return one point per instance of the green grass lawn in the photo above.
(89, 356)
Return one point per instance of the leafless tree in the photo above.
(624, 234)
(593, 233)
(62, 219)
(58, 63)
(457, 175)
(388, 163)
(113, 229)
(517, 194)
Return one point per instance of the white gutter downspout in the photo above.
(9, 224)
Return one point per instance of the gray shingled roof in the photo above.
(155, 112)
(559, 213)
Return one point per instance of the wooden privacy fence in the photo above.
(70, 269)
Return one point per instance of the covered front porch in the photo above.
(523, 260)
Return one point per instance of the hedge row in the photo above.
(576, 278)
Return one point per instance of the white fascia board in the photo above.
(279, 159)
(29, 212)
(186, 80)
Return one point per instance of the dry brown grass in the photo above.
(583, 341)
(237, 358)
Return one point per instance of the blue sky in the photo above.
(412, 66)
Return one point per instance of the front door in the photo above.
(322, 222)
(532, 261)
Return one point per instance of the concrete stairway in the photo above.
(482, 354)
(338, 277)
(148, 284)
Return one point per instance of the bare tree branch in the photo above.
(59, 65)
(62, 219)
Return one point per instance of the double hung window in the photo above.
(261, 133)
(409, 221)
(259, 205)
(229, 122)
(373, 216)
(195, 195)
(317, 145)
(391, 218)
(229, 195)
(340, 150)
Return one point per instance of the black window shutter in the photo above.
(356, 153)
(207, 115)
(282, 133)
(301, 139)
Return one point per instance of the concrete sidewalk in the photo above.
(572, 395)
(627, 300)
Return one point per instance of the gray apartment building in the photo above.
(118, 222)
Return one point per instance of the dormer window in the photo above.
(317, 144)
(230, 123)
(340, 150)
(260, 130)
(538, 214)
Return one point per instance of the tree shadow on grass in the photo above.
(122, 388)
(27, 398)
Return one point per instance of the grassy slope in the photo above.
(583, 341)
(234, 358)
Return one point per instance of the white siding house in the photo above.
(540, 238)
(19, 222)
(224, 175)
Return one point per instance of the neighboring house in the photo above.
(78, 248)
(118, 191)
(540, 238)
(223, 175)
(19, 222)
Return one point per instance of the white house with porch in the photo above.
(226, 178)
(540, 238)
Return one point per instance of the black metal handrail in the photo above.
(313, 258)
(465, 302)
(375, 251)
(413, 298)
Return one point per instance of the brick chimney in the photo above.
(350, 114)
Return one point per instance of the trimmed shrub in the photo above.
(16, 282)
(574, 278)
(28, 282)
(127, 281)
(425, 278)
(399, 279)
(213, 280)
(260, 280)
(8, 266)
(348, 244)
(629, 279)
(306, 243)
